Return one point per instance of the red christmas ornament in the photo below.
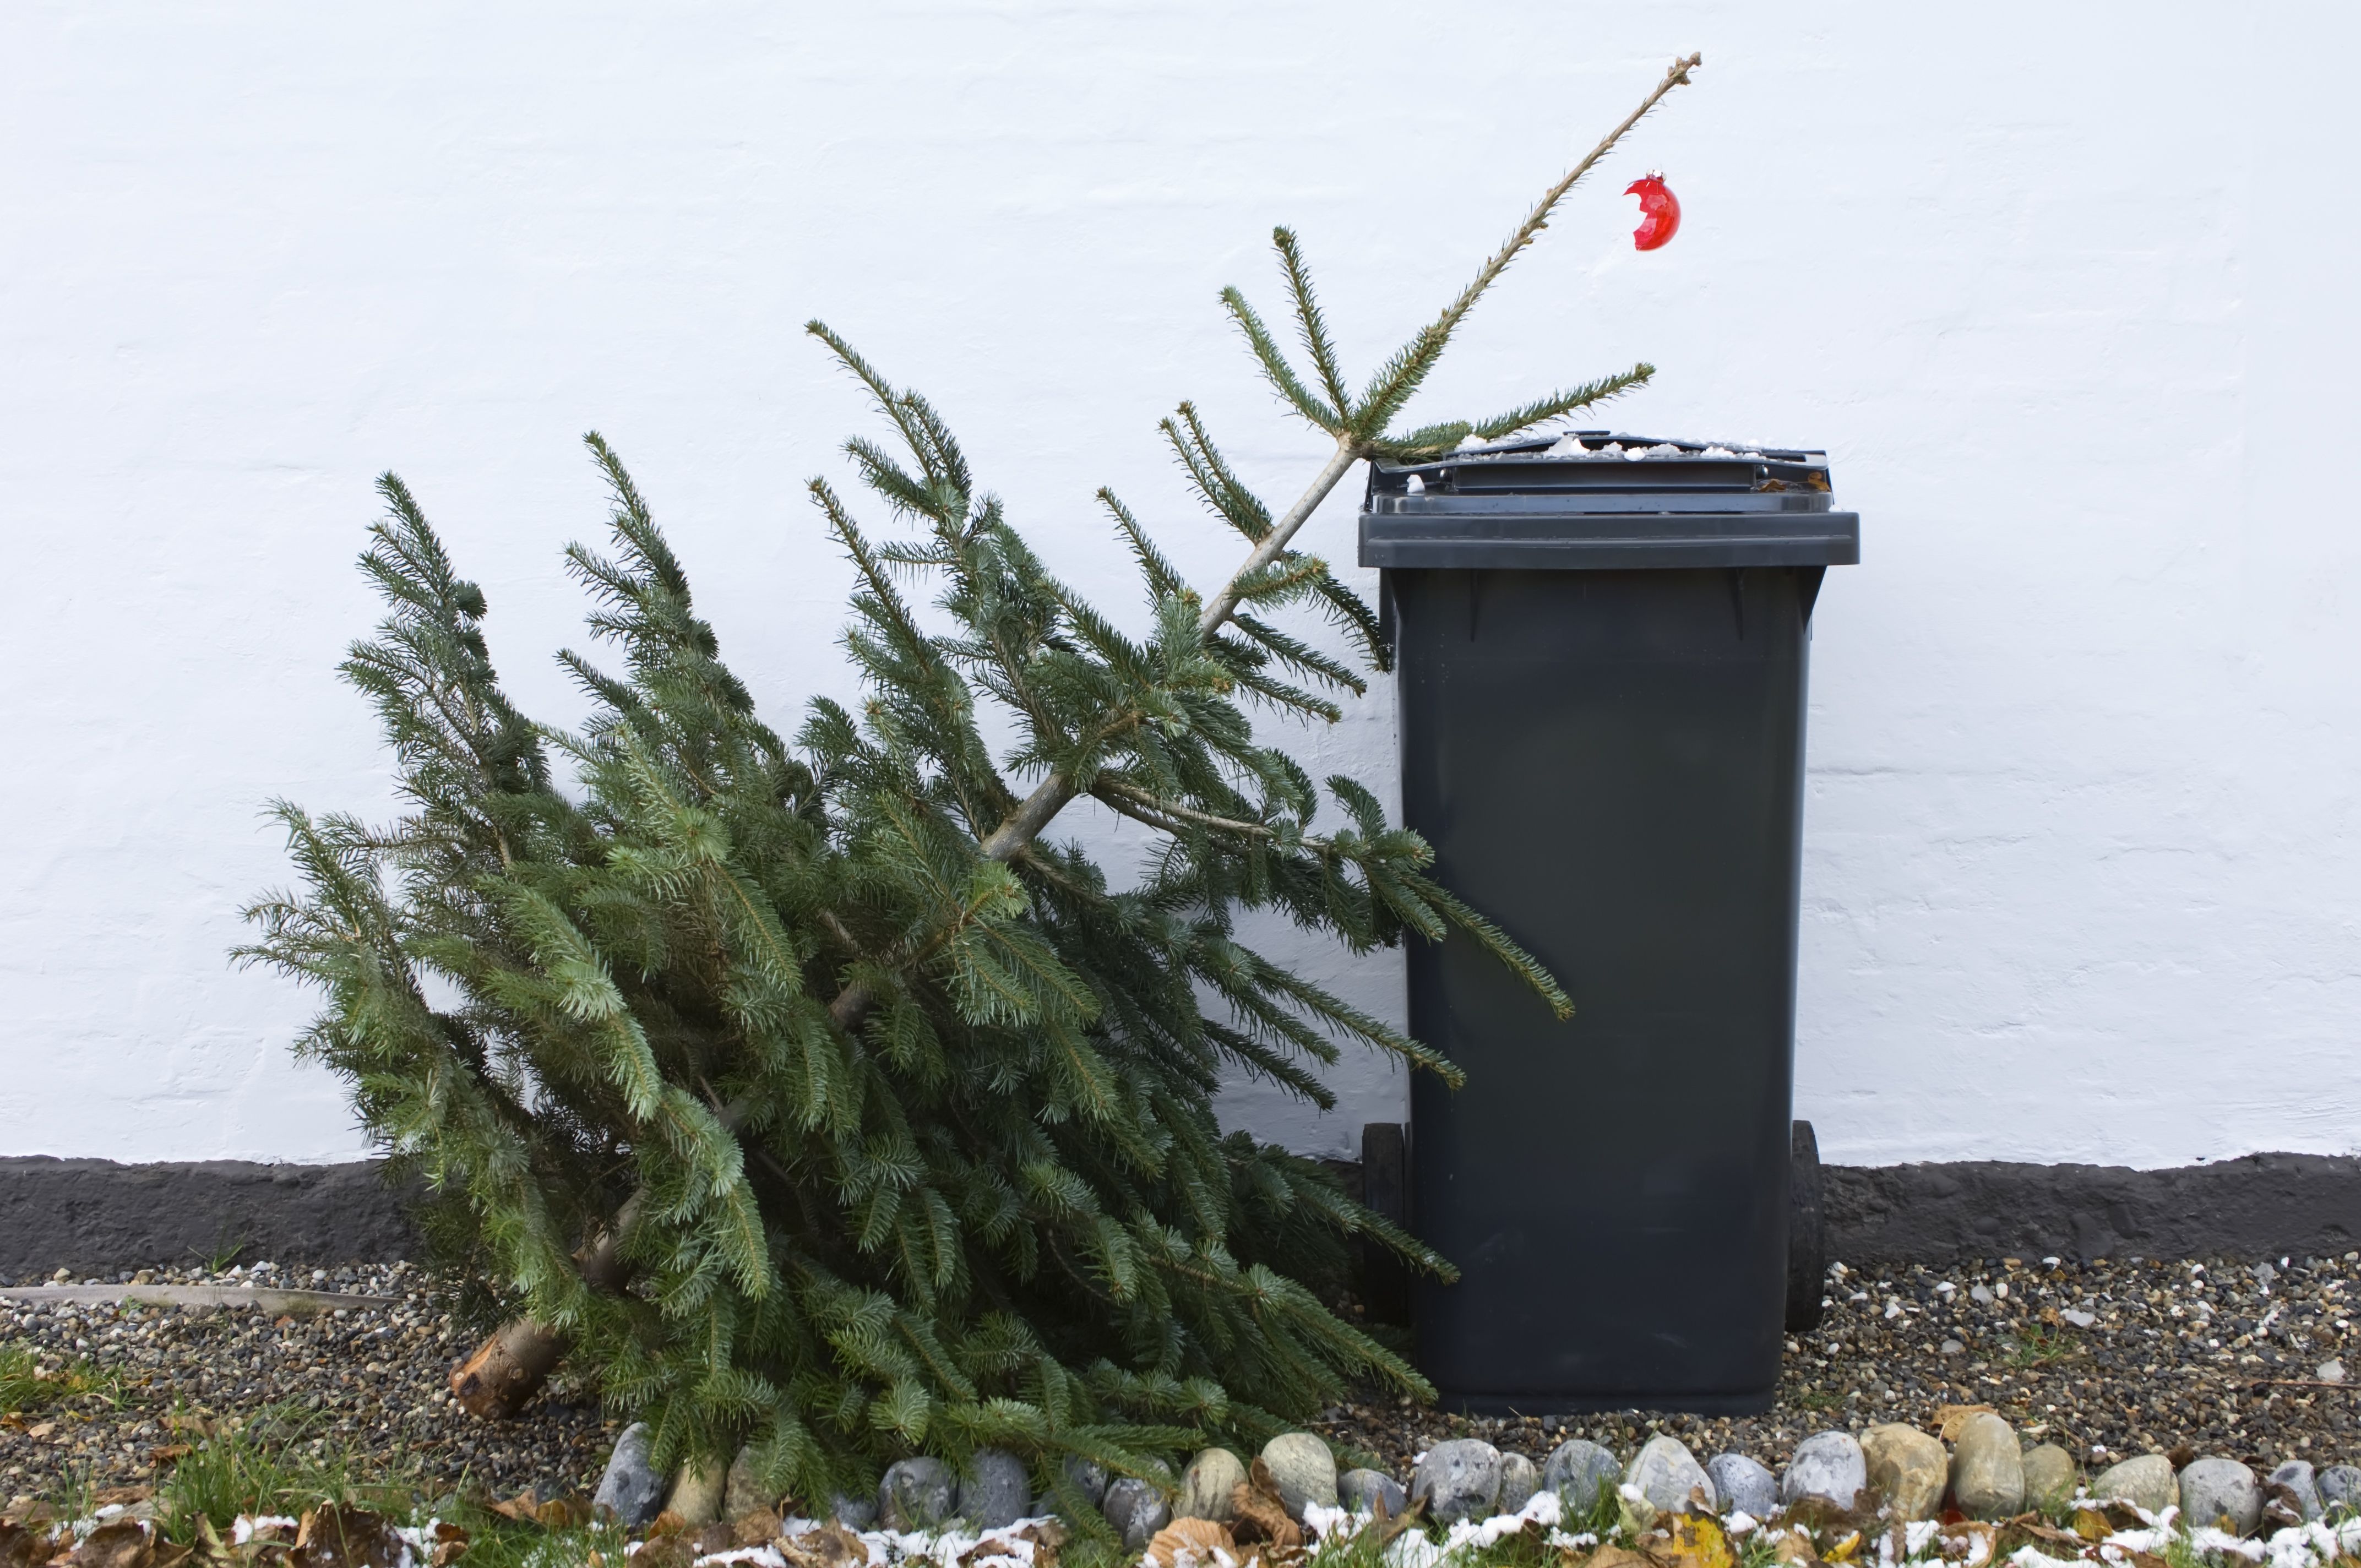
(1660, 210)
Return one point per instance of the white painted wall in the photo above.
(2065, 291)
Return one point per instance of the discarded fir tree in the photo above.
(808, 1089)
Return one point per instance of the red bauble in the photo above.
(1659, 211)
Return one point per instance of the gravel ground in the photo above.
(371, 1378)
(2223, 1358)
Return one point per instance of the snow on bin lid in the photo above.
(1594, 500)
(1605, 460)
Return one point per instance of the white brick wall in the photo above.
(2067, 292)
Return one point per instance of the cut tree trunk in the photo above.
(506, 1369)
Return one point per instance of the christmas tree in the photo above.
(806, 1088)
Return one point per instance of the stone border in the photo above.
(2293, 1204)
(94, 1216)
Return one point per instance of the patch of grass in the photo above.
(25, 1387)
(270, 1464)
(2037, 1344)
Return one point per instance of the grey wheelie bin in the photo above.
(1601, 664)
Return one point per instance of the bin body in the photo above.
(1602, 724)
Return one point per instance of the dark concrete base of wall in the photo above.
(97, 1217)
(2264, 1204)
(94, 1216)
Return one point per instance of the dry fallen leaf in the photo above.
(1261, 1516)
(1949, 1418)
(1699, 1543)
(830, 1546)
(335, 1536)
(1186, 1541)
(450, 1544)
(20, 1547)
(1612, 1556)
(41, 1428)
(127, 1543)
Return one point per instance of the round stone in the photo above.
(1137, 1510)
(1744, 1485)
(631, 1487)
(916, 1494)
(1303, 1470)
(853, 1513)
(1907, 1468)
(1665, 1473)
(2049, 1477)
(1988, 1469)
(2340, 1487)
(2221, 1492)
(1360, 1492)
(995, 1490)
(744, 1492)
(1828, 1465)
(1458, 1479)
(2146, 1482)
(1518, 1481)
(1087, 1477)
(2302, 1488)
(697, 1492)
(1209, 1485)
(1580, 1473)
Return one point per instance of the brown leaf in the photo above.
(564, 1513)
(1186, 1541)
(19, 1547)
(125, 1543)
(1261, 1516)
(340, 1536)
(830, 1546)
(1613, 1556)
(165, 1454)
(666, 1523)
(451, 1542)
(664, 1551)
(41, 1428)
(1949, 1418)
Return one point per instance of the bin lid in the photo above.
(1592, 501)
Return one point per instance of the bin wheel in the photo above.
(1808, 1242)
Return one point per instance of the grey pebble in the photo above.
(995, 1489)
(2297, 1476)
(2145, 1482)
(1137, 1510)
(2340, 1487)
(697, 1492)
(1826, 1465)
(1362, 1490)
(2214, 1489)
(1578, 1471)
(1519, 1479)
(1664, 1472)
(1987, 1469)
(1304, 1471)
(1744, 1485)
(916, 1494)
(631, 1488)
(853, 1513)
(1458, 1479)
(1209, 1485)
